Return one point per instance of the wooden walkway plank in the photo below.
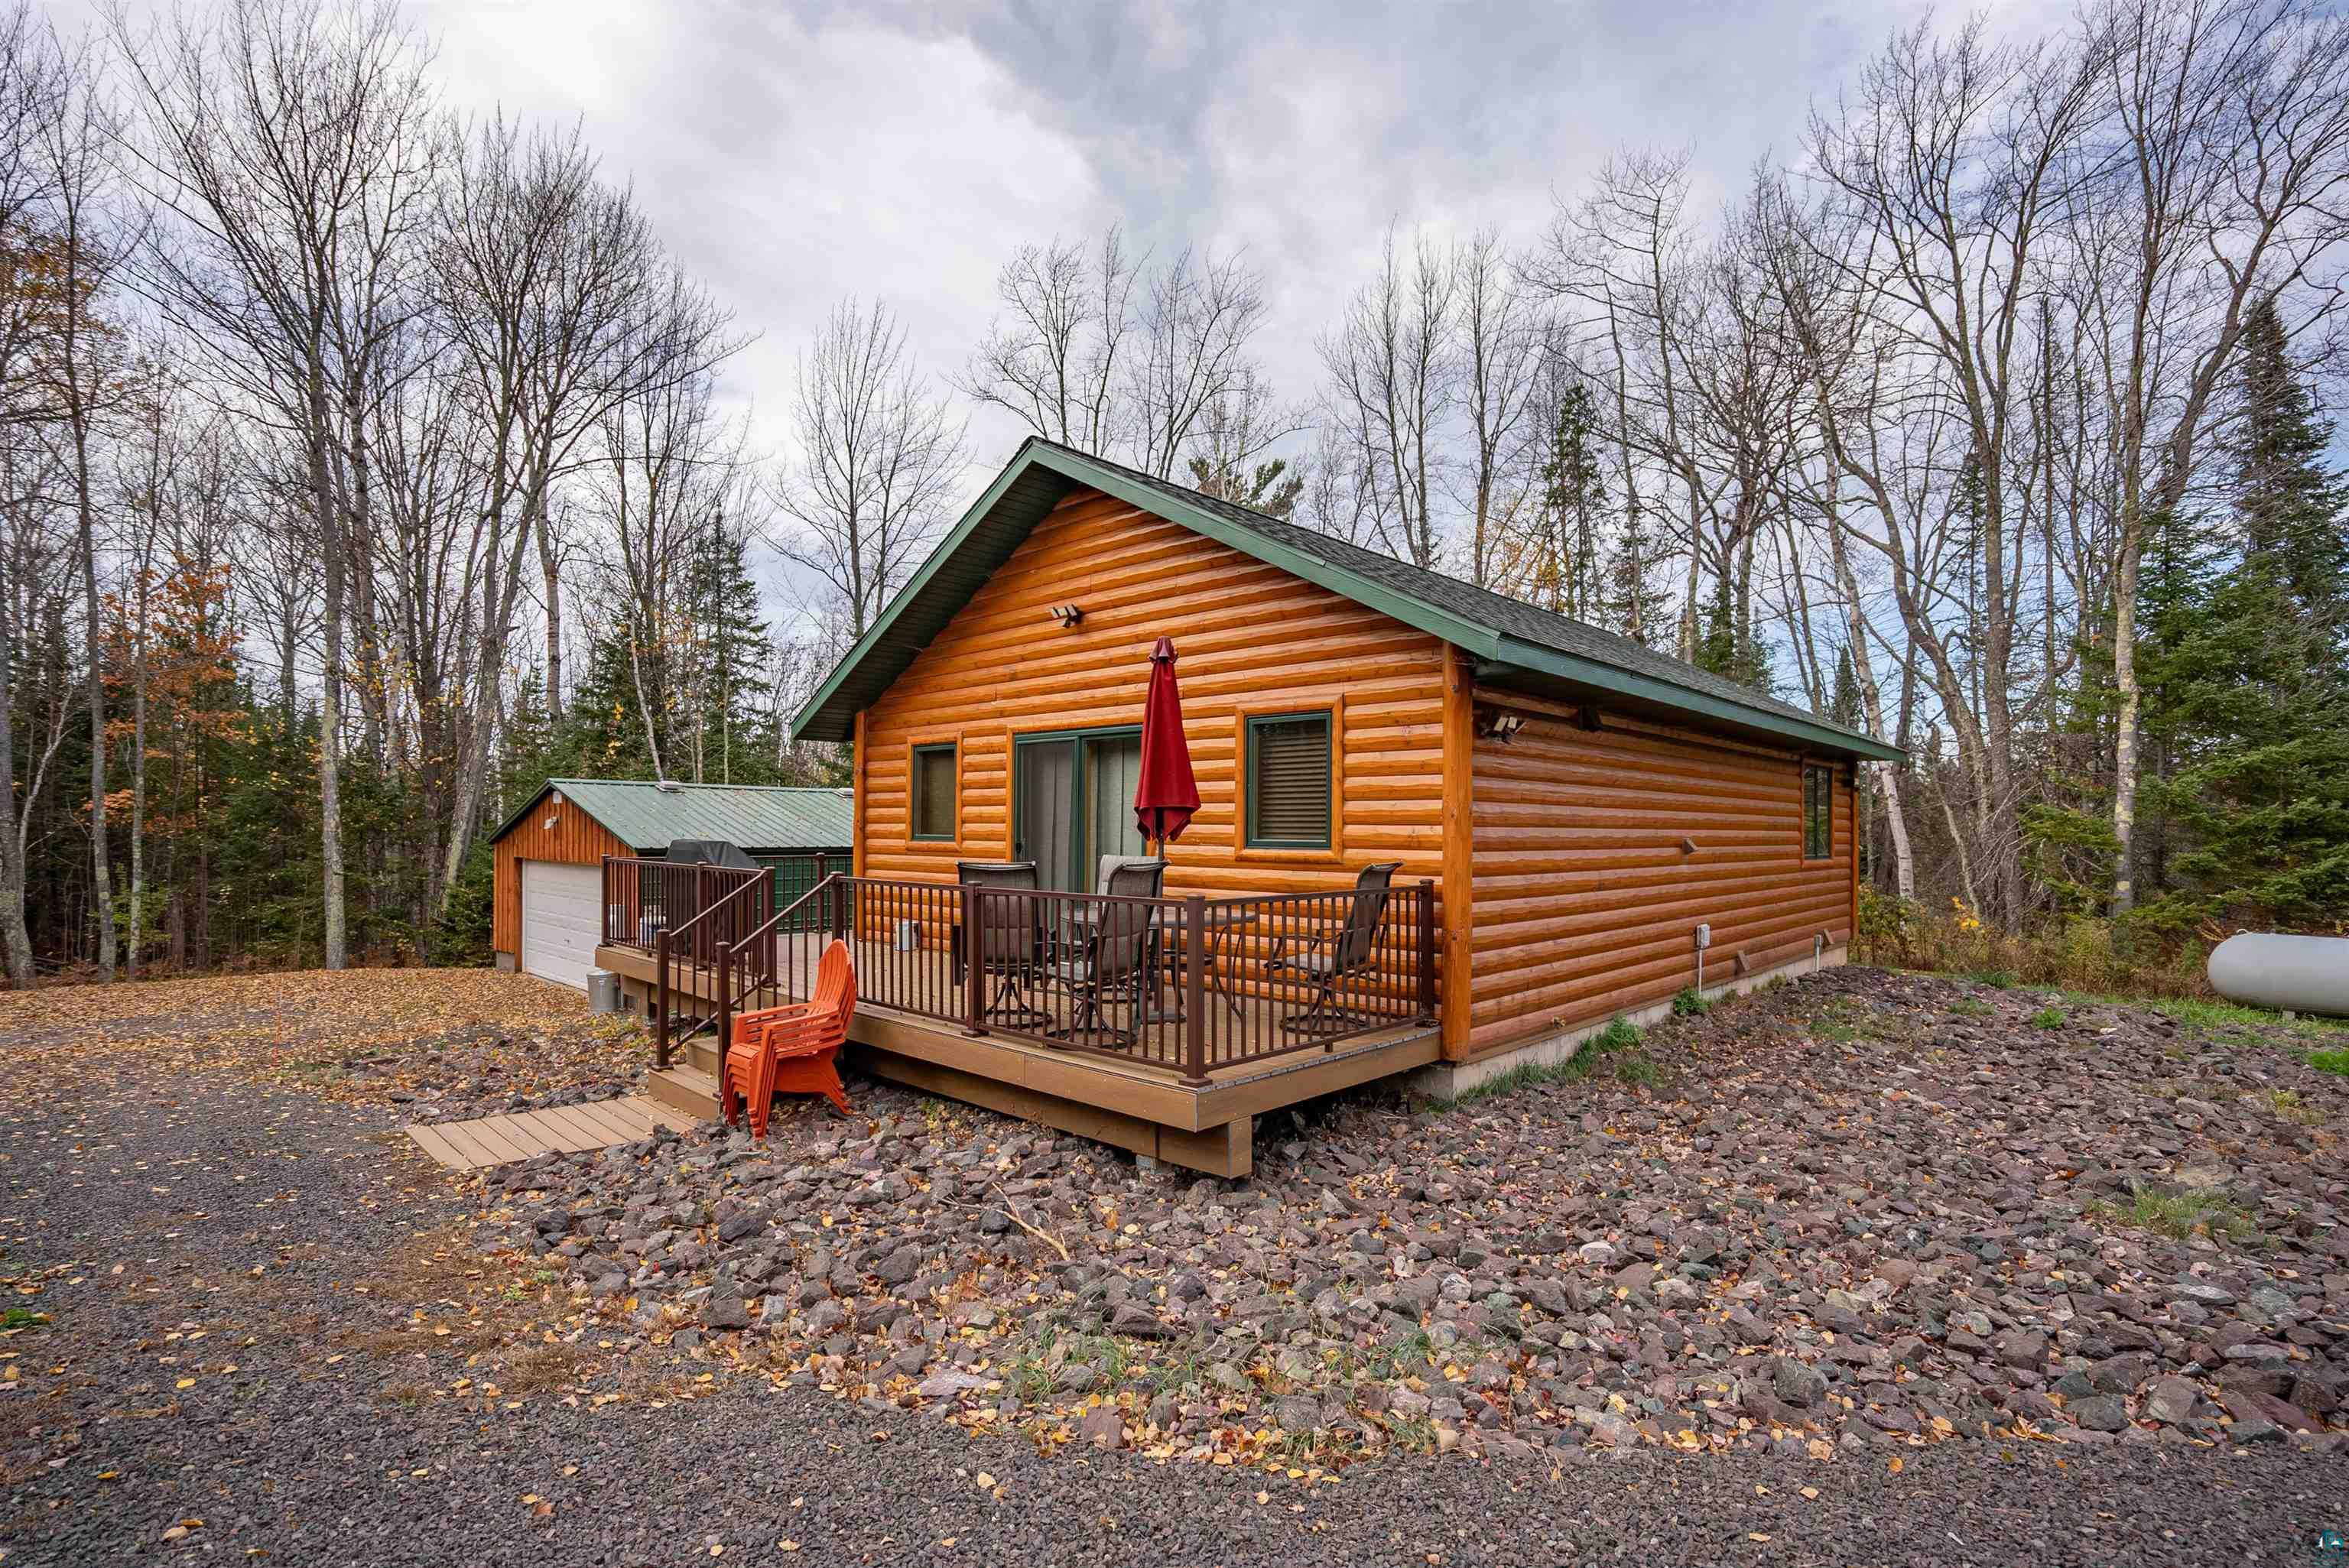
(435, 1142)
(499, 1133)
(621, 1119)
(475, 1152)
(510, 1136)
(582, 1130)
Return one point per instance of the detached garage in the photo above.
(550, 855)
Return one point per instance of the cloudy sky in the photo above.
(798, 153)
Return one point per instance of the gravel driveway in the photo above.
(272, 1334)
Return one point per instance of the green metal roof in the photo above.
(646, 816)
(1514, 643)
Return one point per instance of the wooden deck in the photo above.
(1127, 1099)
(558, 1130)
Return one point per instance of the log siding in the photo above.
(576, 839)
(1252, 639)
(1586, 900)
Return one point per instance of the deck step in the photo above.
(685, 1088)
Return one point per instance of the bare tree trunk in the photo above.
(101, 869)
(138, 781)
(2125, 736)
(553, 578)
(16, 941)
(330, 706)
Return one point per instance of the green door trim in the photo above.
(1079, 777)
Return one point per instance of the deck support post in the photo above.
(974, 968)
(660, 1000)
(1195, 991)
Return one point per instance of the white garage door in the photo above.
(560, 920)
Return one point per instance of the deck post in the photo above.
(1426, 950)
(725, 1017)
(1195, 991)
(603, 882)
(974, 967)
(660, 999)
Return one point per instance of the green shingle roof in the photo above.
(754, 817)
(1512, 643)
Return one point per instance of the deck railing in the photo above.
(1182, 985)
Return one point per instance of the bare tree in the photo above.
(291, 144)
(1199, 313)
(32, 104)
(87, 227)
(1104, 351)
(1502, 344)
(1232, 445)
(563, 307)
(1393, 380)
(1055, 356)
(878, 459)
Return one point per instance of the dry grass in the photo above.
(2080, 953)
(544, 1368)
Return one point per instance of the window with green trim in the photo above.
(1818, 811)
(934, 791)
(1288, 782)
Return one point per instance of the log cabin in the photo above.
(1440, 832)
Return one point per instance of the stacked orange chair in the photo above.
(793, 1049)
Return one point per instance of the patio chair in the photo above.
(1010, 954)
(1324, 962)
(1109, 957)
(1113, 864)
(793, 1049)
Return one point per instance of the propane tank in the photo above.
(2298, 974)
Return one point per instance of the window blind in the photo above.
(1288, 781)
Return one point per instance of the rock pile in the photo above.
(1867, 1209)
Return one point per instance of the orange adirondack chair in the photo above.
(793, 1049)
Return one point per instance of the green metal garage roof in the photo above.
(646, 816)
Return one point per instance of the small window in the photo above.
(1288, 782)
(934, 792)
(1818, 811)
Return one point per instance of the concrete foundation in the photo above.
(1450, 1080)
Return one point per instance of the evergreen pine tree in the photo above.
(1631, 602)
(735, 723)
(1843, 698)
(2292, 507)
(2249, 677)
(1573, 489)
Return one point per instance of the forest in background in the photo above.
(361, 466)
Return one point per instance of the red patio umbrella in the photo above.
(1166, 794)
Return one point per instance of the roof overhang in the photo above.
(1040, 476)
(1546, 672)
(527, 806)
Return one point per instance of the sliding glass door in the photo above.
(1073, 802)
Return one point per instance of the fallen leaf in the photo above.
(1811, 1493)
(1893, 1465)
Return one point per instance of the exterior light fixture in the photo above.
(1068, 615)
(1499, 723)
